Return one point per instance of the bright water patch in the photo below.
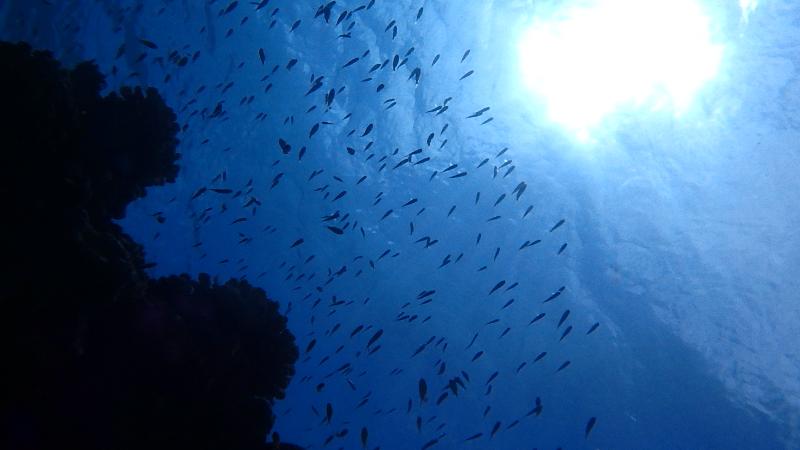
(593, 58)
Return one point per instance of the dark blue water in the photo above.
(681, 232)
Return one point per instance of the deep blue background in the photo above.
(682, 233)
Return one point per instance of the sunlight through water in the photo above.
(589, 59)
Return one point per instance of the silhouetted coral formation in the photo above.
(97, 355)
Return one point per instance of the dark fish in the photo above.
(415, 74)
(351, 62)
(466, 75)
(554, 295)
(494, 429)
(520, 189)
(466, 53)
(297, 242)
(285, 147)
(563, 366)
(422, 161)
(295, 25)
(419, 13)
(430, 443)
(538, 317)
(364, 435)
(367, 130)
(314, 130)
(375, 337)
(230, 8)
(472, 341)
(497, 286)
(311, 345)
(563, 318)
(459, 175)
(148, 44)
(477, 355)
(558, 224)
(291, 64)
(336, 230)
(478, 113)
(540, 356)
(261, 55)
(589, 425)
(594, 327)
(566, 332)
(473, 437)
(527, 211)
(198, 193)
(423, 390)
(328, 413)
(342, 16)
(562, 248)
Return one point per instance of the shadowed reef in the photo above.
(97, 354)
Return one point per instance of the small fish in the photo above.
(594, 327)
(566, 332)
(589, 425)
(478, 113)
(297, 242)
(497, 286)
(538, 317)
(563, 318)
(540, 356)
(149, 44)
(473, 437)
(494, 429)
(336, 230)
(423, 390)
(466, 53)
(375, 337)
(466, 75)
(558, 224)
(554, 295)
(563, 366)
(527, 211)
(351, 62)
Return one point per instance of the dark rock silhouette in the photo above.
(96, 354)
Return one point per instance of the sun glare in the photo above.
(593, 58)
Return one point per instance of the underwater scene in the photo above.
(400, 224)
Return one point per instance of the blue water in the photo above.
(681, 231)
